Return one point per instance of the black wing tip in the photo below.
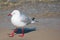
(33, 18)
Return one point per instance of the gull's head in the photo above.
(15, 12)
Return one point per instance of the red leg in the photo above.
(22, 35)
(15, 30)
(12, 33)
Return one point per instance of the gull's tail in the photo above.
(34, 20)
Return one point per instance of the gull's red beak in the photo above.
(9, 15)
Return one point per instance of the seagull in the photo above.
(19, 21)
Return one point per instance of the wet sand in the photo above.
(42, 34)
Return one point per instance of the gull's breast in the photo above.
(16, 21)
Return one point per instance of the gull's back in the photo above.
(26, 19)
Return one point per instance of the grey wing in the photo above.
(26, 19)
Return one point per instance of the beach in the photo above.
(47, 29)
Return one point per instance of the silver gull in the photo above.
(20, 20)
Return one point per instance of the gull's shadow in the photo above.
(26, 30)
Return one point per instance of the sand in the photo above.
(42, 34)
